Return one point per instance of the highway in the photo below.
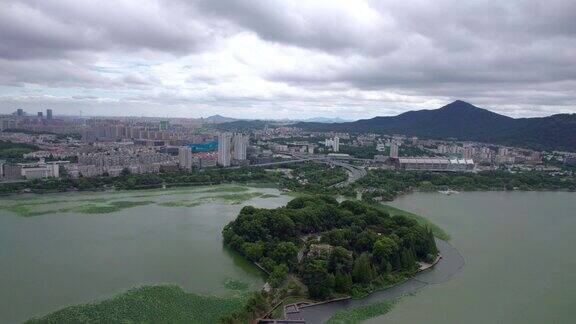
(354, 172)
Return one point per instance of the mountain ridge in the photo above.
(463, 121)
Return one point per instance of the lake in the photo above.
(62, 249)
(519, 254)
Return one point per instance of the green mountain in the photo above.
(463, 121)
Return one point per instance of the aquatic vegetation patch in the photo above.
(149, 304)
(269, 196)
(180, 203)
(185, 190)
(236, 285)
(362, 313)
(108, 203)
(110, 208)
(224, 189)
(25, 211)
(235, 199)
(232, 199)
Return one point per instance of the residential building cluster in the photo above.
(86, 147)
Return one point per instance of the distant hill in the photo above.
(244, 125)
(463, 121)
(219, 119)
(326, 120)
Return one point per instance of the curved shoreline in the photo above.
(449, 265)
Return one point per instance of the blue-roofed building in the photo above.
(204, 147)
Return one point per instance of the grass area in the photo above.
(149, 304)
(436, 230)
(362, 313)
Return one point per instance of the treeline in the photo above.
(128, 181)
(59, 136)
(350, 247)
(13, 152)
(360, 152)
(388, 184)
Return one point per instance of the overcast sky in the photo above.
(286, 58)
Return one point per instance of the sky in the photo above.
(286, 58)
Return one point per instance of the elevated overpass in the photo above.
(354, 172)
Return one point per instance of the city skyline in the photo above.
(286, 59)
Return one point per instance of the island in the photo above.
(320, 249)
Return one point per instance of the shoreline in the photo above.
(445, 268)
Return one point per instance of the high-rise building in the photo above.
(19, 112)
(336, 144)
(468, 152)
(164, 124)
(224, 154)
(394, 150)
(40, 115)
(333, 143)
(240, 145)
(49, 114)
(185, 157)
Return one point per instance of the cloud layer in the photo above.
(286, 58)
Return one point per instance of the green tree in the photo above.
(363, 272)
(340, 260)
(287, 253)
(383, 251)
(314, 274)
(253, 251)
(278, 275)
(342, 282)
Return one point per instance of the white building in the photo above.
(468, 152)
(41, 169)
(185, 157)
(240, 145)
(224, 152)
(393, 150)
(333, 143)
(434, 164)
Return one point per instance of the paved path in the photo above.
(450, 264)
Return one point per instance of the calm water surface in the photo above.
(51, 261)
(520, 253)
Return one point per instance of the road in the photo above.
(354, 172)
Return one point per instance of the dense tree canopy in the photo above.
(333, 247)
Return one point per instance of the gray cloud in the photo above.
(67, 28)
(355, 58)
